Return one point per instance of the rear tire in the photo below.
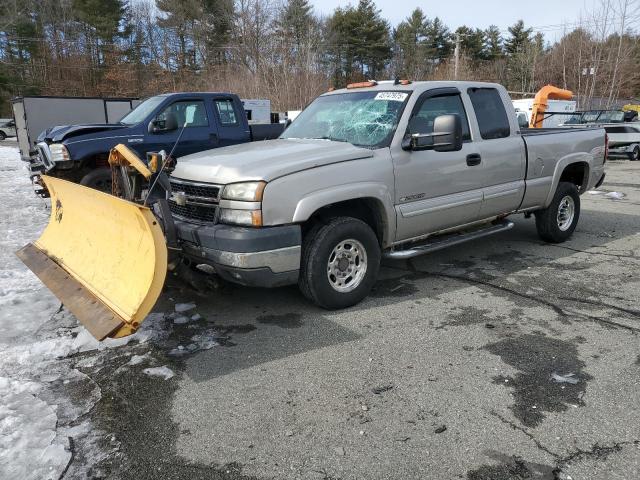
(340, 263)
(556, 223)
(99, 179)
(635, 155)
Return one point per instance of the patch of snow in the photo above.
(164, 372)
(196, 317)
(181, 320)
(615, 195)
(184, 307)
(138, 359)
(611, 195)
(568, 378)
(30, 448)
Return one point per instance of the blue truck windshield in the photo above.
(142, 111)
(365, 119)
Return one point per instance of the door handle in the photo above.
(473, 159)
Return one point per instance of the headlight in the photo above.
(59, 153)
(247, 191)
(250, 218)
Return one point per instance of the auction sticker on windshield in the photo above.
(393, 96)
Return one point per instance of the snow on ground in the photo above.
(163, 372)
(29, 444)
(44, 399)
(37, 415)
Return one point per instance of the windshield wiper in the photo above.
(330, 138)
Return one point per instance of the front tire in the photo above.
(3, 136)
(99, 179)
(634, 156)
(340, 263)
(556, 223)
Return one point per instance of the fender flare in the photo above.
(379, 192)
(560, 168)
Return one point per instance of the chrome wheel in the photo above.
(566, 212)
(347, 265)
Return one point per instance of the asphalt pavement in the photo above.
(504, 358)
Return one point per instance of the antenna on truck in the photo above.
(164, 163)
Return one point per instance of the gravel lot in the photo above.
(505, 358)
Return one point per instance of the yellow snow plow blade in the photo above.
(105, 258)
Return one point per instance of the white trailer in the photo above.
(525, 106)
(257, 110)
(34, 114)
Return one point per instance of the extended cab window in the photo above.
(191, 112)
(226, 112)
(490, 112)
(432, 107)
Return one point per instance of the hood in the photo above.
(63, 132)
(266, 160)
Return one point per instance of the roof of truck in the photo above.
(420, 86)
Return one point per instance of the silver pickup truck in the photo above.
(379, 169)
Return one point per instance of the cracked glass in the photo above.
(365, 119)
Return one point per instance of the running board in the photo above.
(445, 241)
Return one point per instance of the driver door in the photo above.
(436, 190)
(199, 134)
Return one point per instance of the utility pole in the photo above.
(456, 57)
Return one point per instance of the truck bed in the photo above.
(530, 132)
(266, 131)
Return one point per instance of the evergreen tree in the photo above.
(493, 43)
(179, 17)
(472, 42)
(520, 38)
(438, 41)
(101, 23)
(296, 21)
(373, 38)
(359, 41)
(409, 37)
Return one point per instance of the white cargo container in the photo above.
(525, 106)
(257, 110)
(34, 114)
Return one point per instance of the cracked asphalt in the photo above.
(505, 358)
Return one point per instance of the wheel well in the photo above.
(369, 210)
(576, 173)
(96, 161)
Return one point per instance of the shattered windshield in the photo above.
(365, 119)
(141, 112)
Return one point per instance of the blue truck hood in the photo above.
(64, 132)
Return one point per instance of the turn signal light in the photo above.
(370, 83)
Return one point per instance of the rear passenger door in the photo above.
(502, 153)
(232, 127)
(436, 190)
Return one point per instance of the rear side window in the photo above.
(490, 112)
(226, 112)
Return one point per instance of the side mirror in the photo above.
(169, 124)
(446, 136)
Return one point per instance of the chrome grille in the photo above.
(194, 212)
(201, 201)
(194, 189)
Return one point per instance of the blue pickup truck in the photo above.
(79, 153)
